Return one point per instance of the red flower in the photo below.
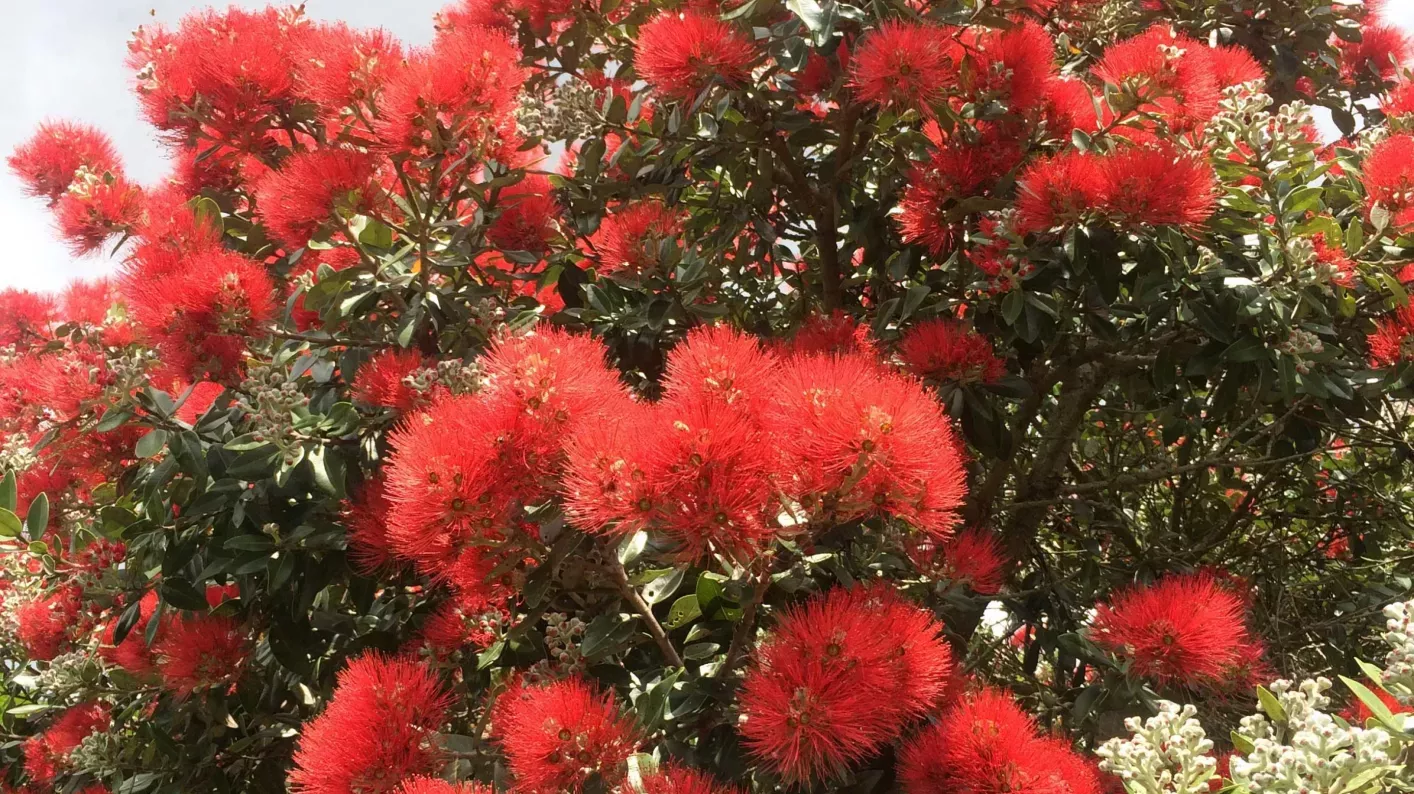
(719, 364)
(1338, 268)
(679, 54)
(459, 623)
(1234, 65)
(88, 302)
(528, 212)
(1379, 53)
(200, 399)
(1157, 185)
(1184, 628)
(987, 745)
(381, 381)
(611, 483)
(378, 730)
(863, 442)
(555, 737)
(339, 67)
(1070, 106)
(133, 653)
(956, 171)
(458, 98)
(1389, 179)
(627, 239)
(973, 557)
(1391, 342)
(47, 754)
(25, 317)
(201, 652)
(452, 477)
(200, 314)
(47, 624)
(1399, 101)
(432, 785)
(826, 334)
(96, 208)
(311, 189)
(1016, 65)
(366, 520)
(1169, 73)
(672, 778)
(1057, 191)
(944, 350)
(48, 161)
(907, 64)
(840, 676)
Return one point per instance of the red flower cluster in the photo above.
(1393, 339)
(381, 381)
(556, 736)
(312, 191)
(679, 54)
(47, 625)
(47, 753)
(379, 729)
(201, 652)
(840, 677)
(945, 351)
(627, 239)
(1389, 179)
(48, 162)
(987, 745)
(675, 779)
(742, 435)
(906, 65)
(973, 557)
(1187, 629)
(1152, 185)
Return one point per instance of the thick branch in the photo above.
(630, 594)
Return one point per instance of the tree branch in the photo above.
(630, 594)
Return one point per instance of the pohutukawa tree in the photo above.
(641, 397)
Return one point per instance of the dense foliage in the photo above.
(643, 397)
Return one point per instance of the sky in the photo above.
(64, 59)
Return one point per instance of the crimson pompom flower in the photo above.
(862, 441)
(1389, 179)
(1015, 64)
(132, 654)
(201, 314)
(528, 211)
(956, 171)
(1069, 106)
(986, 744)
(719, 364)
(379, 729)
(48, 161)
(95, 208)
(840, 676)
(823, 334)
(88, 302)
(555, 737)
(627, 239)
(312, 189)
(905, 64)
(433, 785)
(946, 351)
(1158, 185)
(47, 754)
(1234, 65)
(679, 54)
(1057, 191)
(340, 68)
(674, 778)
(612, 484)
(47, 624)
(1170, 74)
(1184, 628)
(366, 521)
(199, 399)
(382, 381)
(458, 98)
(973, 557)
(459, 623)
(1335, 265)
(1399, 102)
(202, 652)
(451, 478)
(1357, 713)
(1379, 53)
(1393, 338)
(24, 316)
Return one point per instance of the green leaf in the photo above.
(1241, 743)
(652, 704)
(10, 524)
(684, 611)
(8, 496)
(489, 656)
(376, 235)
(662, 588)
(37, 519)
(1376, 706)
(28, 710)
(631, 547)
(182, 595)
(1371, 672)
(1364, 779)
(1271, 705)
(152, 443)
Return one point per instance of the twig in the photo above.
(741, 635)
(630, 594)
